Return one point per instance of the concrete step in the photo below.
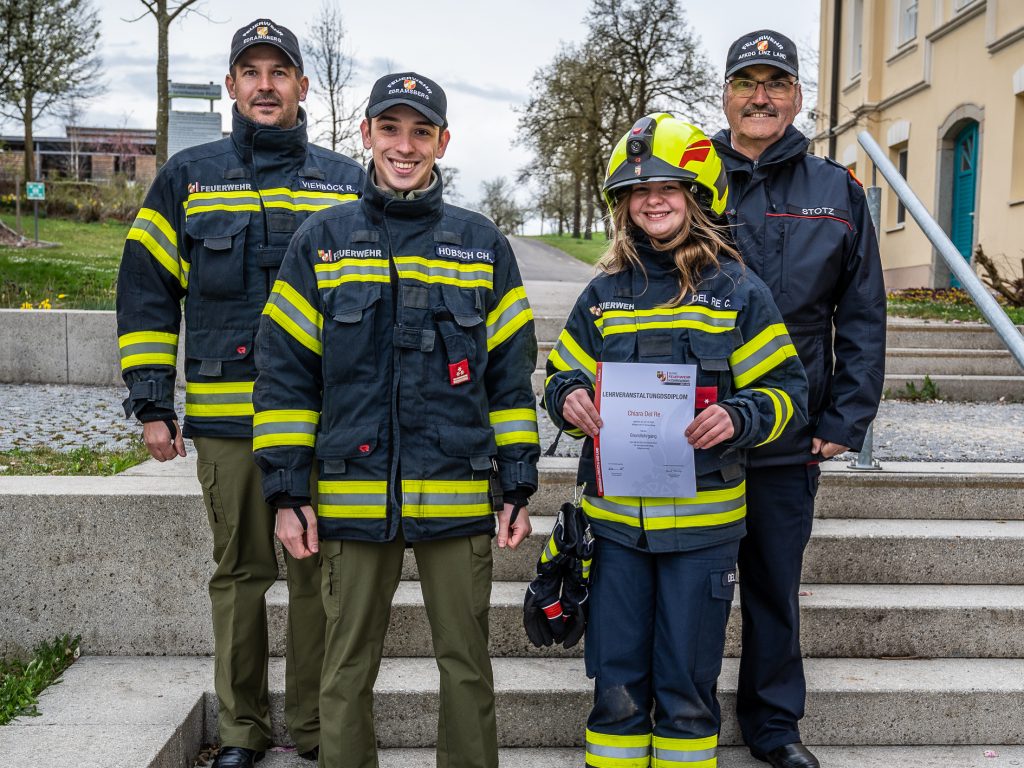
(861, 702)
(974, 389)
(728, 757)
(856, 551)
(837, 621)
(132, 712)
(984, 362)
(903, 332)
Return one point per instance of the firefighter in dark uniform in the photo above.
(664, 569)
(802, 224)
(213, 230)
(397, 350)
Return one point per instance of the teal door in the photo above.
(965, 160)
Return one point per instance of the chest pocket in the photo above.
(712, 350)
(351, 344)
(218, 255)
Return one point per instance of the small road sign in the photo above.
(35, 190)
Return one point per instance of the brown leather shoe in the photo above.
(794, 755)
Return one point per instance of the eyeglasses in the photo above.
(775, 88)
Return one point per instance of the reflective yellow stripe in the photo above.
(445, 498)
(210, 400)
(550, 551)
(314, 201)
(684, 753)
(284, 427)
(475, 275)
(783, 405)
(511, 314)
(148, 348)
(515, 425)
(759, 355)
(357, 499)
(568, 355)
(157, 236)
(709, 508)
(350, 270)
(606, 750)
(296, 317)
(687, 316)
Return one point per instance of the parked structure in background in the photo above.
(99, 154)
(940, 83)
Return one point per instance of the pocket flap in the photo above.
(216, 226)
(467, 441)
(218, 344)
(462, 303)
(348, 442)
(346, 302)
(218, 243)
(723, 584)
(713, 349)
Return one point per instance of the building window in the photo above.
(901, 166)
(857, 27)
(124, 166)
(906, 23)
(1017, 172)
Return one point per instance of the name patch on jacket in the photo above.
(716, 302)
(605, 306)
(464, 254)
(818, 211)
(329, 256)
(325, 186)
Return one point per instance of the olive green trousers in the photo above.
(243, 548)
(359, 582)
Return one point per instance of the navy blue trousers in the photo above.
(655, 638)
(771, 694)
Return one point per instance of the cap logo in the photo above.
(637, 170)
(762, 45)
(409, 84)
(262, 31)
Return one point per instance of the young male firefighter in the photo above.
(397, 349)
(213, 230)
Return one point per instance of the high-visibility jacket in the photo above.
(212, 231)
(397, 348)
(730, 328)
(801, 223)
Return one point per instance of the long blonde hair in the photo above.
(697, 246)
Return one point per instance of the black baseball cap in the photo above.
(265, 32)
(413, 90)
(765, 46)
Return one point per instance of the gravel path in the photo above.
(66, 417)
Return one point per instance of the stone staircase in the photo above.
(912, 609)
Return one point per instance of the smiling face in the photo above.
(658, 208)
(405, 145)
(267, 87)
(758, 120)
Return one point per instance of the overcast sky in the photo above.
(484, 54)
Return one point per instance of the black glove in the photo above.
(542, 611)
(576, 578)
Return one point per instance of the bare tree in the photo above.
(70, 112)
(164, 12)
(51, 55)
(450, 181)
(499, 205)
(333, 67)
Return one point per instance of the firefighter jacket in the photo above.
(212, 231)
(729, 327)
(397, 348)
(802, 224)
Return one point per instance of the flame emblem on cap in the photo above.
(762, 45)
(409, 84)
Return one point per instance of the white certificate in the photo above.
(641, 449)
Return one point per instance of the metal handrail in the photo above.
(958, 265)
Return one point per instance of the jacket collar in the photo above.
(793, 145)
(377, 203)
(282, 143)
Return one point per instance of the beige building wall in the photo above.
(914, 90)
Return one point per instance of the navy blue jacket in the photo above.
(213, 230)
(802, 224)
(397, 349)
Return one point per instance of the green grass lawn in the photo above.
(79, 274)
(588, 251)
(42, 460)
